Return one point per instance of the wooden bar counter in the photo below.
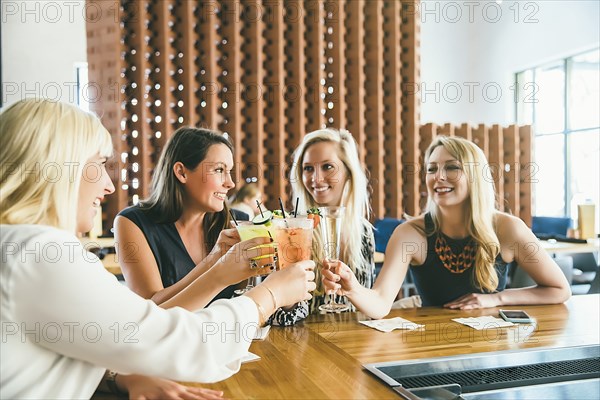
(322, 357)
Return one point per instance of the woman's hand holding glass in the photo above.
(245, 259)
(338, 278)
(226, 240)
(292, 284)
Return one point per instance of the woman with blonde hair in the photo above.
(459, 249)
(326, 171)
(65, 319)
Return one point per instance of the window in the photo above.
(562, 102)
(82, 95)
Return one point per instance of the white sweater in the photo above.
(65, 319)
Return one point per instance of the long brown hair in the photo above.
(189, 146)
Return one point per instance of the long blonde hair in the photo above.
(354, 197)
(482, 209)
(45, 146)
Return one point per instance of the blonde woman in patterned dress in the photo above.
(327, 172)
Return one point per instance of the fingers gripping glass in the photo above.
(249, 230)
(332, 219)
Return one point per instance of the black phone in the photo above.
(516, 316)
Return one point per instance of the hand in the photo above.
(227, 238)
(235, 265)
(147, 388)
(337, 277)
(472, 301)
(293, 283)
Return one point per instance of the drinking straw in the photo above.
(281, 205)
(259, 209)
(296, 209)
(233, 217)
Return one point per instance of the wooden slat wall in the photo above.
(526, 171)
(509, 153)
(410, 106)
(355, 72)
(267, 72)
(392, 115)
(105, 67)
(225, 80)
(374, 151)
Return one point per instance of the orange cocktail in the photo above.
(294, 240)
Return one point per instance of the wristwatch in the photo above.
(111, 382)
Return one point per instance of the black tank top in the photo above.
(174, 262)
(436, 284)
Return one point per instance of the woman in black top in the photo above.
(458, 250)
(167, 242)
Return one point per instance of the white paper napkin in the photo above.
(388, 325)
(261, 333)
(486, 322)
(250, 357)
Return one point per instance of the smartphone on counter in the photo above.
(516, 316)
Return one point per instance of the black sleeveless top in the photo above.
(174, 262)
(437, 285)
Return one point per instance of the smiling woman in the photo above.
(327, 172)
(324, 175)
(64, 318)
(92, 192)
(459, 249)
(182, 229)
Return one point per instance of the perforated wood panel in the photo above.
(266, 73)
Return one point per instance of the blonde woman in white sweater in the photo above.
(65, 319)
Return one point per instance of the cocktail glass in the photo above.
(332, 219)
(294, 240)
(249, 230)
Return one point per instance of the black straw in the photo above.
(233, 217)
(296, 209)
(259, 209)
(281, 205)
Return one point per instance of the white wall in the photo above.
(488, 48)
(41, 42)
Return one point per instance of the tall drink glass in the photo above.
(249, 230)
(332, 219)
(294, 240)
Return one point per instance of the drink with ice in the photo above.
(294, 240)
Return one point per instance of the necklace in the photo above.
(457, 264)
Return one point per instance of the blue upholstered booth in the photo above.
(550, 225)
(383, 230)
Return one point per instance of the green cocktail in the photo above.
(250, 230)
